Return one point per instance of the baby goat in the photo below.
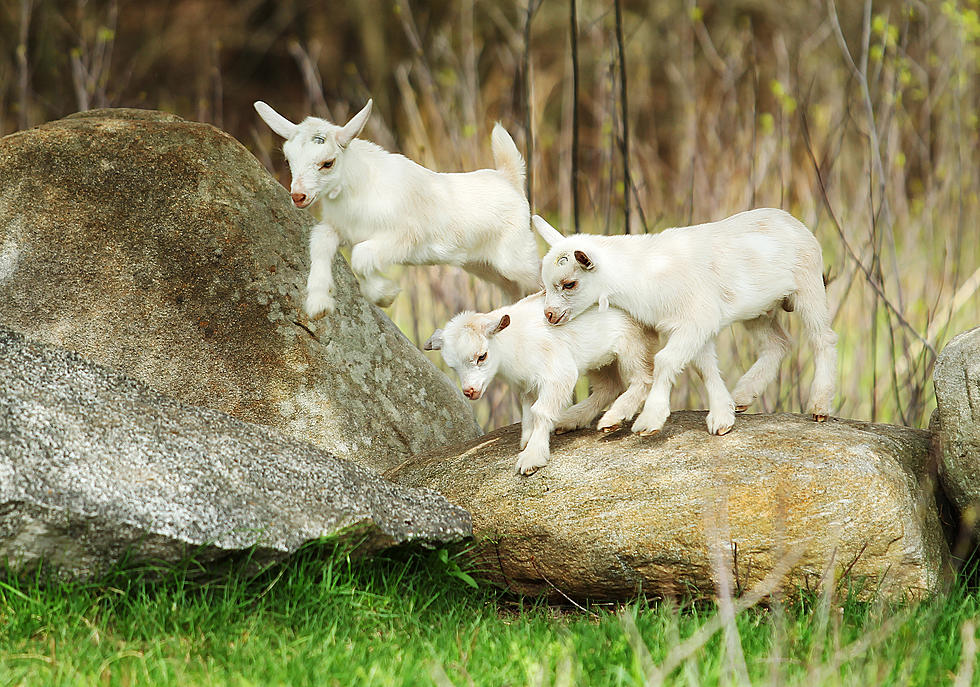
(690, 282)
(394, 211)
(544, 363)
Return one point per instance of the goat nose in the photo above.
(470, 392)
(298, 197)
(550, 315)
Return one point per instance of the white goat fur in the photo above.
(688, 284)
(394, 211)
(543, 363)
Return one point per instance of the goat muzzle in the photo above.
(299, 199)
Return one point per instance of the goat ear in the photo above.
(276, 121)
(550, 235)
(497, 326)
(353, 127)
(435, 342)
(582, 259)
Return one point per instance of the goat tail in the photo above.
(507, 158)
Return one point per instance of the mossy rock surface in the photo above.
(162, 247)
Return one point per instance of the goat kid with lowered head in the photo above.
(543, 363)
(689, 283)
(394, 211)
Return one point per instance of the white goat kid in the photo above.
(543, 363)
(394, 211)
(690, 282)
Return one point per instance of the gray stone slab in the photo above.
(95, 466)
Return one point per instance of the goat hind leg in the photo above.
(368, 260)
(636, 368)
(773, 343)
(811, 304)
(606, 384)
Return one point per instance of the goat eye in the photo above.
(319, 139)
(569, 285)
(326, 164)
(481, 358)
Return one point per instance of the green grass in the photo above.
(321, 619)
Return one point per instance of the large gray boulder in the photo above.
(610, 516)
(957, 430)
(163, 248)
(95, 467)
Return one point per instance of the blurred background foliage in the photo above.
(860, 118)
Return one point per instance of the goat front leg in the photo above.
(526, 401)
(320, 285)
(721, 407)
(544, 412)
(683, 344)
(369, 259)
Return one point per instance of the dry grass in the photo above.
(864, 125)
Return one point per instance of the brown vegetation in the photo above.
(860, 120)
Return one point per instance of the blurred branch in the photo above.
(91, 63)
(861, 74)
(312, 81)
(624, 114)
(532, 8)
(847, 246)
(23, 68)
(573, 35)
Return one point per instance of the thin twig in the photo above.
(847, 246)
(680, 652)
(573, 34)
(624, 116)
(564, 595)
(968, 654)
(532, 8)
(23, 68)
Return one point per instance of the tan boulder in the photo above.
(162, 247)
(612, 515)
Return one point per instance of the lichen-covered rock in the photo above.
(957, 379)
(95, 467)
(610, 516)
(162, 247)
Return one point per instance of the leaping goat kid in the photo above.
(394, 211)
(689, 283)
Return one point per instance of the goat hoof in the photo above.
(562, 430)
(611, 428)
(819, 418)
(724, 430)
(648, 432)
(741, 409)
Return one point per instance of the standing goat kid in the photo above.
(689, 283)
(394, 211)
(543, 363)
